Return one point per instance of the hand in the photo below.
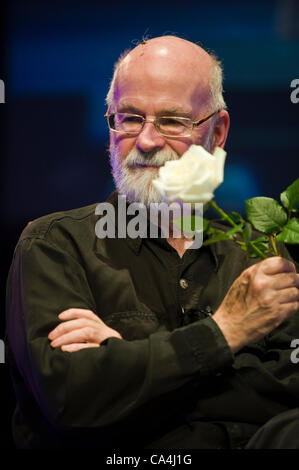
(80, 329)
(259, 300)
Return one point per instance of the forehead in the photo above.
(161, 81)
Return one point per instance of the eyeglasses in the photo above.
(168, 126)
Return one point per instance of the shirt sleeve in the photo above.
(113, 380)
(270, 367)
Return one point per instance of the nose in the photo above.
(149, 139)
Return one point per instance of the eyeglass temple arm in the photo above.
(107, 112)
(197, 123)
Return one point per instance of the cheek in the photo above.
(202, 134)
(180, 147)
(123, 146)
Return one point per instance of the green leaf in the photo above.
(247, 233)
(205, 224)
(261, 239)
(265, 214)
(234, 230)
(290, 197)
(191, 223)
(216, 238)
(290, 233)
(249, 250)
(210, 230)
(262, 246)
(236, 217)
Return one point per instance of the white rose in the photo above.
(193, 177)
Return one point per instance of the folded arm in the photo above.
(113, 380)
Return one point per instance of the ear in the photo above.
(221, 128)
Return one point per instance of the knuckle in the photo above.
(268, 298)
(260, 284)
(293, 280)
(294, 291)
(88, 331)
(60, 328)
(292, 308)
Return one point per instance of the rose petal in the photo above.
(193, 177)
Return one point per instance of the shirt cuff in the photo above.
(206, 345)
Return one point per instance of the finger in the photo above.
(276, 265)
(289, 309)
(77, 346)
(81, 335)
(70, 325)
(284, 280)
(78, 313)
(289, 295)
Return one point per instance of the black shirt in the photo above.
(172, 381)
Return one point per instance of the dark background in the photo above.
(56, 61)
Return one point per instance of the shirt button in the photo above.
(184, 284)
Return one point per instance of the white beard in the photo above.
(135, 182)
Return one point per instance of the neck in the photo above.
(180, 244)
(174, 235)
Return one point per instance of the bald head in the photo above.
(170, 56)
(169, 52)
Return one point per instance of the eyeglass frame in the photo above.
(154, 121)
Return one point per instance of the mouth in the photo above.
(146, 166)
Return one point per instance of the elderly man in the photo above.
(144, 342)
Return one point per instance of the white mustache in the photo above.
(157, 158)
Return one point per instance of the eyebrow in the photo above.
(127, 108)
(174, 112)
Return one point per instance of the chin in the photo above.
(136, 184)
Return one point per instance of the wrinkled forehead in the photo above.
(165, 71)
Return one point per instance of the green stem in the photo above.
(273, 243)
(259, 252)
(222, 213)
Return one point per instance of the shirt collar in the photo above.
(136, 243)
